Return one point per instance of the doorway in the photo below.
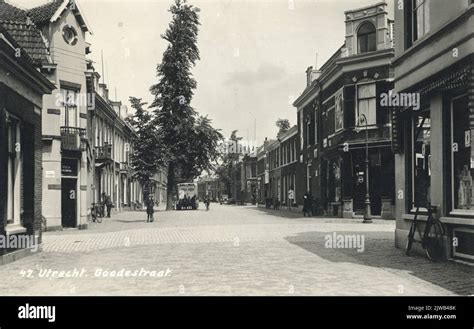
(68, 202)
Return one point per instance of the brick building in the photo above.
(23, 55)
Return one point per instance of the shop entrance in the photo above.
(69, 202)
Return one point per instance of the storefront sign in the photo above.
(50, 174)
(69, 167)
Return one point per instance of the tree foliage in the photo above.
(188, 140)
(283, 126)
(228, 171)
(145, 157)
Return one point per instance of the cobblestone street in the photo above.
(228, 250)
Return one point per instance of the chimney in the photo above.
(311, 75)
(104, 92)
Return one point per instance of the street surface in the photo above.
(228, 250)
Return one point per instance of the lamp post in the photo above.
(367, 211)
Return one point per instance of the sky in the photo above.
(254, 53)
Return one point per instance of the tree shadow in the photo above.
(380, 251)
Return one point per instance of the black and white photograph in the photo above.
(237, 148)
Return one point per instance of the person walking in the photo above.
(149, 209)
(207, 201)
(307, 204)
(108, 204)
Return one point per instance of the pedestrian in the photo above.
(108, 204)
(307, 204)
(207, 201)
(102, 204)
(150, 210)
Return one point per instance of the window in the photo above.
(316, 125)
(308, 130)
(420, 18)
(366, 104)
(421, 159)
(417, 18)
(70, 35)
(462, 157)
(366, 38)
(339, 111)
(69, 104)
(301, 126)
(14, 170)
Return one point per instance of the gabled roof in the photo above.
(11, 13)
(26, 34)
(43, 13)
(50, 12)
(30, 39)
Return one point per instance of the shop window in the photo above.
(366, 38)
(14, 170)
(462, 157)
(366, 104)
(421, 155)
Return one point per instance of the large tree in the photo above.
(228, 169)
(145, 157)
(188, 141)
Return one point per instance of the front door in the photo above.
(69, 202)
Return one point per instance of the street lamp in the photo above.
(367, 212)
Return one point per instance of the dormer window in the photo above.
(366, 38)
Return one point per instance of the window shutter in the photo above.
(349, 106)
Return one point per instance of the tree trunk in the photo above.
(170, 191)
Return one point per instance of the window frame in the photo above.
(454, 210)
(365, 36)
(357, 121)
(14, 171)
(414, 126)
(66, 107)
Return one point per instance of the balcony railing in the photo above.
(73, 139)
(104, 153)
(124, 167)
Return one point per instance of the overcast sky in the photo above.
(253, 53)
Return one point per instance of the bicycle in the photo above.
(432, 238)
(97, 213)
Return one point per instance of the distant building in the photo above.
(23, 56)
(434, 163)
(248, 176)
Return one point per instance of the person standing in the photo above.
(307, 204)
(108, 204)
(149, 209)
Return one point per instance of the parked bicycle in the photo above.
(433, 236)
(97, 213)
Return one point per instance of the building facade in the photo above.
(23, 55)
(434, 159)
(66, 151)
(340, 118)
(248, 176)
